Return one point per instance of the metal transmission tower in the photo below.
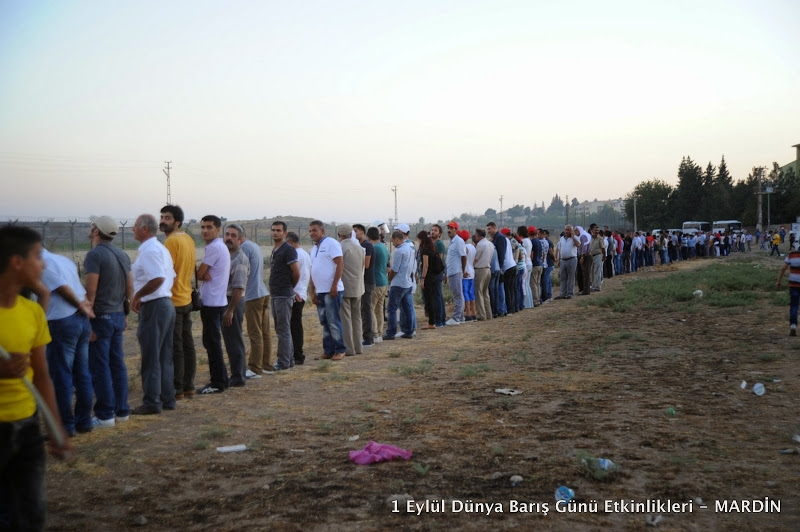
(396, 220)
(502, 215)
(169, 189)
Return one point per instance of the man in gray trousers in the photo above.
(283, 276)
(153, 275)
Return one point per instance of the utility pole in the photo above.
(169, 189)
(566, 209)
(760, 174)
(502, 215)
(396, 219)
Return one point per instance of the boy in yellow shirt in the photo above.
(23, 334)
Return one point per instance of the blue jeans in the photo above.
(547, 283)
(400, 297)
(68, 360)
(107, 365)
(22, 464)
(794, 301)
(494, 288)
(328, 313)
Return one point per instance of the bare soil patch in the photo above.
(656, 392)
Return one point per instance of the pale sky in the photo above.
(318, 108)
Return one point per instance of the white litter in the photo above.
(232, 448)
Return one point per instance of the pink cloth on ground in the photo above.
(378, 452)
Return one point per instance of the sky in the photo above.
(320, 108)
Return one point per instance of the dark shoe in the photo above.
(188, 393)
(367, 344)
(407, 336)
(208, 389)
(387, 337)
(299, 362)
(170, 406)
(146, 410)
(82, 430)
(178, 396)
(324, 357)
(337, 356)
(237, 384)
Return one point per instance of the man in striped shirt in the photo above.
(792, 263)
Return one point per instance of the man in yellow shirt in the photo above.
(182, 249)
(23, 334)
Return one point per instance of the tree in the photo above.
(421, 220)
(556, 206)
(490, 213)
(652, 199)
(574, 202)
(683, 202)
(721, 193)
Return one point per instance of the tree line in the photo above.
(711, 194)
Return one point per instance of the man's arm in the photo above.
(367, 261)
(295, 268)
(202, 272)
(236, 297)
(69, 296)
(334, 291)
(42, 294)
(91, 286)
(780, 275)
(151, 286)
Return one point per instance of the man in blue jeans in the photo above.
(68, 316)
(326, 289)
(400, 287)
(108, 284)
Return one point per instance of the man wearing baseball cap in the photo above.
(109, 283)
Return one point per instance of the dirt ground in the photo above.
(657, 393)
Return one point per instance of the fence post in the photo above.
(44, 231)
(72, 236)
(123, 224)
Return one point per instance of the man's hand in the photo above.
(334, 290)
(86, 308)
(136, 304)
(16, 367)
(227, 319)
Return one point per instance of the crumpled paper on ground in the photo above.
(378, 452)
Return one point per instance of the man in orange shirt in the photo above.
(182, 249)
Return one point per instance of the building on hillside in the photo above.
(593, 207)
(794, 164)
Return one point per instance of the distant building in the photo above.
(795, 165)
(593, 207)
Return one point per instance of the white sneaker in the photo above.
(122, 418)
(451, 321)
(378, 339)
(252, 374)
(102, 423)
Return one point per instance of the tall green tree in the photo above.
(707, 201)
(722, 194)
(556, 206)
(652, 205)
(685, 201)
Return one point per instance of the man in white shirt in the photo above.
(326, 289)
(300, 296)
(68, 316)
(567, 259)
(153, 275)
